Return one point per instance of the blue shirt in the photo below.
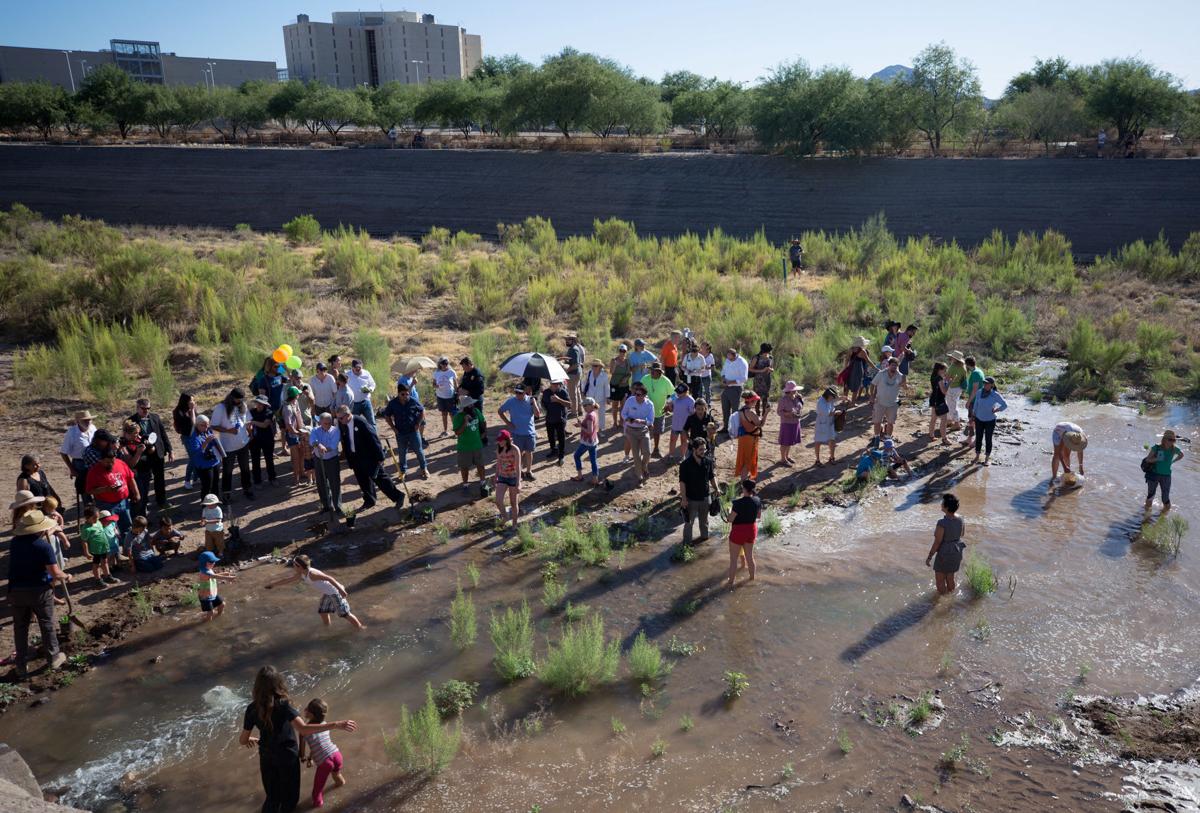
(985, 405)
(329, 438)
(520, 412)
(639, 363)
(28, 557)
(642, 412)
(407, 380)
(406, 416)
(200, 457)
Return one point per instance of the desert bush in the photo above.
(582, 659)
(1003, 329)
(645, 659)
(463, 626)
(302, 230)
(1166, 534)
(373, 350)
(980, 575)
(512, 636)
(422, 744)
(454, 697)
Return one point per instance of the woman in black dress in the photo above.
(947, 551)
(34, 480)
(280, 728)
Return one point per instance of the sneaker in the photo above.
(58, 660)
(187, 484)
(112, 580)
(444, 434)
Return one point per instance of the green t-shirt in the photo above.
(470, 440)
(958, 376)
(1164, 459)
(658, 391)
(974, 382)
(96, 539)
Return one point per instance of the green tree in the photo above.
(1047, 73)
(945, 91)
(33, 104)
(500, 68)
(237, 110)
(1131, 95)
(562, 92)
(162, 110)
(678, 83)
(796, 107)
(1045, 113)
(718, 109)
(281, 106)
(115, 96)
(619, 101)
(194, 105)
(392, 105)
(452, 103)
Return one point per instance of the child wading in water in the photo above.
(321, 752)
(743, 530)
(211, 603)
(334, 598)
(947, 546)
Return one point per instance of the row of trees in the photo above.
(796, 108)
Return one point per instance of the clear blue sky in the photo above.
(734, 40)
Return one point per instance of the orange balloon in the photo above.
(279, 357)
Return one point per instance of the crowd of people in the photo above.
(332, 418)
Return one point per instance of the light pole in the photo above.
(70, 72)
(212, 75)
(83, 67)
(418, 63)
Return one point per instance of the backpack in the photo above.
(735, 425)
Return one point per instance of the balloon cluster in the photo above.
(285, 358)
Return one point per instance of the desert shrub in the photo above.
(162, 385)
(512, 636)
(1093, 362)
(1004, 329)
(455, 697)
(373, 350)
(302, 230)
(646, 663)
(980, 575)
(147, 344)
(582, 659)
(422, 744)
(1166, 534)
(771, 524)
(463, 626)
(1154, 343)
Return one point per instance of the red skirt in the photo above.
(743, 534)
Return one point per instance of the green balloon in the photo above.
(293, 363)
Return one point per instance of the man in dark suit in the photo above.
(364, 454)
(158, 453)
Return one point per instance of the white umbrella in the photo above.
(534, 365)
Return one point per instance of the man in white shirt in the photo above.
(230, 420)
(734, 373)
(361, 385)
(323, 386)
(638, 417)
(78, 437)
(885, 396)
(445, 382)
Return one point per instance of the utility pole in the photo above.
(70, 72)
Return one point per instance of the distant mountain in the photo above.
(893, 72)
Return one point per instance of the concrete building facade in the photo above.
(372, 48)
(143, 60)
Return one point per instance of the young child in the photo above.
(95, 540)
(109, 520)
(167, 538)
(211, 603)
(141, 551)
(213, 521)
(58, 538)
(321, 752)
(333, 595)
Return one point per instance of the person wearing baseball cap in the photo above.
(640, 360)
(210, 602)
(658, 390)
(469, 426)
(681, 406)
(988, 403)
(445, 384)
(295, 436)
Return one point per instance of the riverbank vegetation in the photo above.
(104, 313)
(572, 97)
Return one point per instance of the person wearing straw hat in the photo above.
(791, 403)
(468, 429)
(595, 386)
(824, 430)
(76, 440)
(23, 503)
(858, 369)
(956, 381)
(1066, 437)
(1161, 457)
(32, 570)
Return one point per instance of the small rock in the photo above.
(41, 701)
(157, 659)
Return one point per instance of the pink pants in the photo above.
(333, 764)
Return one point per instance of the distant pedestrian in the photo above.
(743, 531)
(326, 441)
(620, 377)
(761, 367)
(364, 455)
(406, 416)
(939, 409)
(640, 360)
(947, 550)
(596, 386)
(323, 387)
(988, 403)
(749, 435)
(658, 390)
(230, 420)
(796, 256)
(468, 429)
(472, 381)
(1161, 457)
(183, 417)
(680, 406)
(205, 453)
(158, 451)
(973, 383)
(858, 371)
(956, 382)
(790, 408)
(362, 385)
(262, 440)
(574, 363)
(638, 418)
(555, 404)
(710, 364)
(692, 369)
(670, 354)
(76, 440)
(734, 373)
(519, 413)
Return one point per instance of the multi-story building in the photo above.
(141, 59)
(372, 48)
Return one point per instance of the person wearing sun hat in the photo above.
(1161, 457)
(32, 571)
(213, 521)
(749, 434)
(595, 385)
(23, 503)
(791, 404)
(1066, 437)
(77, 438)
(857, 374)
(956, 377)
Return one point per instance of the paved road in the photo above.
(1099, 205)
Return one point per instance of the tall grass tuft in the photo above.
(373, 350)
(512, 636)
(1166, 534)
(980, 575)
(771, 524)
(645, 659)
(483, 352)
(463, 625)
(582, 659)
(422, 744)
(162, 384)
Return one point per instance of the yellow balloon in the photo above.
(287, 349)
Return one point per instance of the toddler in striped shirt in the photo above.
(321, 752)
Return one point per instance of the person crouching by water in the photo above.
(280, 728)
(947, 551)
(1067, 437)
(743, 531)
(1161, 457)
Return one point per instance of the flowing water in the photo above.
(841, 623)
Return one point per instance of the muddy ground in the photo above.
(1098, 205)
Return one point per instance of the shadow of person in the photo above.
(888, 628)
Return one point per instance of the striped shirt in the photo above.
(320, 746)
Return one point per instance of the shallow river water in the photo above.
(841, 622)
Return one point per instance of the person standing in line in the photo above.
(956, 381)
(790, 407)
(364, 455)
(743, 531)
(972, 385)
(761, 367)
(326, 440)
(620, 377)
(112, 485)
(361, 384)
(710, 364)
(669, 356)
(158, 448)
(555, 406)
(229, 421)
(905, 352)
(947, 550)
(658, 390)
(295, 431)
(596, 386)
(76, 440)
(323, 387)
(858, 370)
(473, 382)
(468, 429)
(445, 383)
(749, 435)
(988, 402)
(939, 393)
(519, 413)
(696, 478)
(508, 476)
(638, 417)
(701, 424)
(1161, 457)
(824, 428)
(640, 360)
(184, 419)
(32, 571)
(681, 406)
(205, 453)
(262, 440)
(589, 439)
(269, 382)
(573, 361)
(131, 450)
(692, 368)
(1066, 437)
(885, 397)
(734, 373)
(280, 728)
(33, 478)
(406, 416)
